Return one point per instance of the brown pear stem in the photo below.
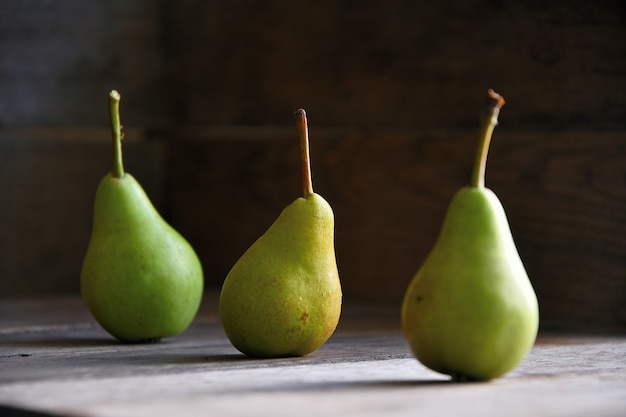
(303, 132)
(489, 120)
(114, 110)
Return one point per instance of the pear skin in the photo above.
(141, 280)
(470, 311)
(283, 296)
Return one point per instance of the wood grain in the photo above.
(57, 361)
(367, 63)
(60, 62)
(419, 64)
(48, 183)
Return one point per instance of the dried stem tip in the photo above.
(494, 103)
(489, 120)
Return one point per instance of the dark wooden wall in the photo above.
(392, 90)
(399, 63)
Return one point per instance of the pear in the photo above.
(141, 280)
(470, 311)
(283, 296)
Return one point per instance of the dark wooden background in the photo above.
(392, 90)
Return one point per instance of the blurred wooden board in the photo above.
(49, 178)
(366, 63)
(410, 64)
(55, 360)
(59, 63)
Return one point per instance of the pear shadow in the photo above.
(209, 359)
(9, 411)
(379, 384)
(345, 386)
(86, 341)
(233, 361)
(363, 385)
(240, 362)
(72, 342)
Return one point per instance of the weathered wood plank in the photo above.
(414, 64)
(393, 387)
(48, 183)
(59, 62)
(364, 369)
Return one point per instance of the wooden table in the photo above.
(55, 360)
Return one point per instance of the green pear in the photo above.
(471, 311)
(140, 278)
(283, 296)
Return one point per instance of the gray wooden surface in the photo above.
(54, 359)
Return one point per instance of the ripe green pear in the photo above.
(140, 278)
(283, 296)
(471, 311)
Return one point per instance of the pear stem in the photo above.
(114, 110)
(489, 120)
(303, 132)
